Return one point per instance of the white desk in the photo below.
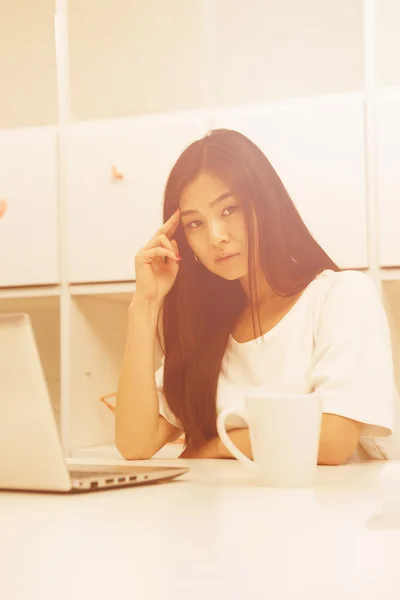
(212, 534)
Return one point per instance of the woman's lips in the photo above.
(227, 257)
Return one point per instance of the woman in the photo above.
(248, 299)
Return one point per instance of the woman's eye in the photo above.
(230, 209)
(193, 224)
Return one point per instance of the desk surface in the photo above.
(212, 534)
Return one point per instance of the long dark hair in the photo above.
(201, 310)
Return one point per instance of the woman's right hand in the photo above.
(157, 264)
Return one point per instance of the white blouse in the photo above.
(334, 340)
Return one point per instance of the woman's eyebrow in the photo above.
(220, 198)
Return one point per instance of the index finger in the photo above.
(171, 225)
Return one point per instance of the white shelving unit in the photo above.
(315, 85)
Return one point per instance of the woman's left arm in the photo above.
(338, 441)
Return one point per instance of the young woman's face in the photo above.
(214, 225)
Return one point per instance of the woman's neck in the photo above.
(266, 296)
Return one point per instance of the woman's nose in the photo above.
(218, 233)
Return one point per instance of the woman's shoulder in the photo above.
(345, 284)
(346, 294)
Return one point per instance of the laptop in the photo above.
(31, 456)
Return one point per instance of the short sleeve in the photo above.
(165, 411)
(352, 365)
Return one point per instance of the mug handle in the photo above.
(226, 439)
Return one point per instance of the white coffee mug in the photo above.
(284, 433)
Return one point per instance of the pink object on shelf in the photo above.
(117, 175)
(105, 401)
(3, 207)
